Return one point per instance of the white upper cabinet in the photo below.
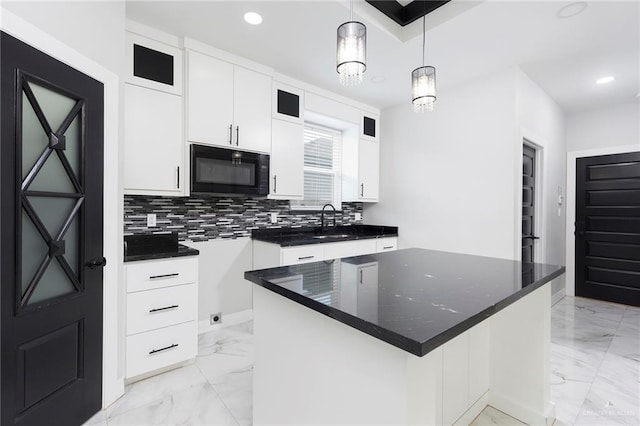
(360, 170)
(287, 160)
(153, 64)
(227, 105)
(153, 142)
(209, 100)
(368, 170)
(370, 127)
(288, 103)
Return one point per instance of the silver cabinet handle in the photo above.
(178, 177)
(155, 351)
(362, 189)
(360, 276)
(387, 247)
(306, 257)
(159, 277)
(230, 133)
(275, 184)
(237, 135)
(166, 308)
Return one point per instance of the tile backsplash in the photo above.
(201, 219)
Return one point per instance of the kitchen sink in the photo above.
(332, 236)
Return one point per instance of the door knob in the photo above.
(97, 262)
(531, 237)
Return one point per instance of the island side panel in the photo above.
(520, 346)
(311, 369)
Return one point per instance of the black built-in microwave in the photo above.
(228, 171)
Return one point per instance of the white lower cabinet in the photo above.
(161, 348)
(162, 312)
(269, 255)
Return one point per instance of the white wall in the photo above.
(451, 179)
(609, 130)
(542, 122)
(446, 177)
(93, 28)
(615, 125)
(89, 36)
(221, 283)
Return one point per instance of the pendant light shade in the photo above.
(423, 82)
(351, 54)
(423, 88)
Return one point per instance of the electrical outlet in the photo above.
(215, 318)
(151, 220)
(358, 216)
(274, 217)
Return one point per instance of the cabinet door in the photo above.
(209, 100)
(368, 173)
(287, 160)
(251, 110)
(152, 142)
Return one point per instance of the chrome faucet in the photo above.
(322, 216)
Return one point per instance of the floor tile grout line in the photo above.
(601, 362)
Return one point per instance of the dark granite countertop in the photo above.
(299, 236)
(182, 251)
(416, 300)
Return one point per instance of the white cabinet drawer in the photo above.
(147, 275)
(302, 254)
(159, 348)
(386, 244)
(349, 248)
(151, 309)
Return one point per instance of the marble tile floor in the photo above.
(595, 375)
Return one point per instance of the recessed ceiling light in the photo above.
(605, 80)
(572, 9)
(253, 18)
(377, 79)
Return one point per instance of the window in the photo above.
(322, 168)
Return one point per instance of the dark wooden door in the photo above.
(607, 228)
(528, 203)
(51, 172)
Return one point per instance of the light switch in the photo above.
(151, 220)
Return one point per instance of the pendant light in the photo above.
(351, 53)
(423, 82)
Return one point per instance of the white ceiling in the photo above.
(464, 40)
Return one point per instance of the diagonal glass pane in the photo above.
(52, 177)
(34, 250)
(34, 139)
(54, 283)
(52, 211)
(72, 246)
(54, 105)
(73, 150)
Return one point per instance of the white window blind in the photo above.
(322, 168)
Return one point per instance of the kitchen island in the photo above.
(406, 337)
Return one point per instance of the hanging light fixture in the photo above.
(423, 82)
(352, 51)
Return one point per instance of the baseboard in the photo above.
(227, 320)
(112, 391)
(555, 298)
(519, 411)
(474, 410)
